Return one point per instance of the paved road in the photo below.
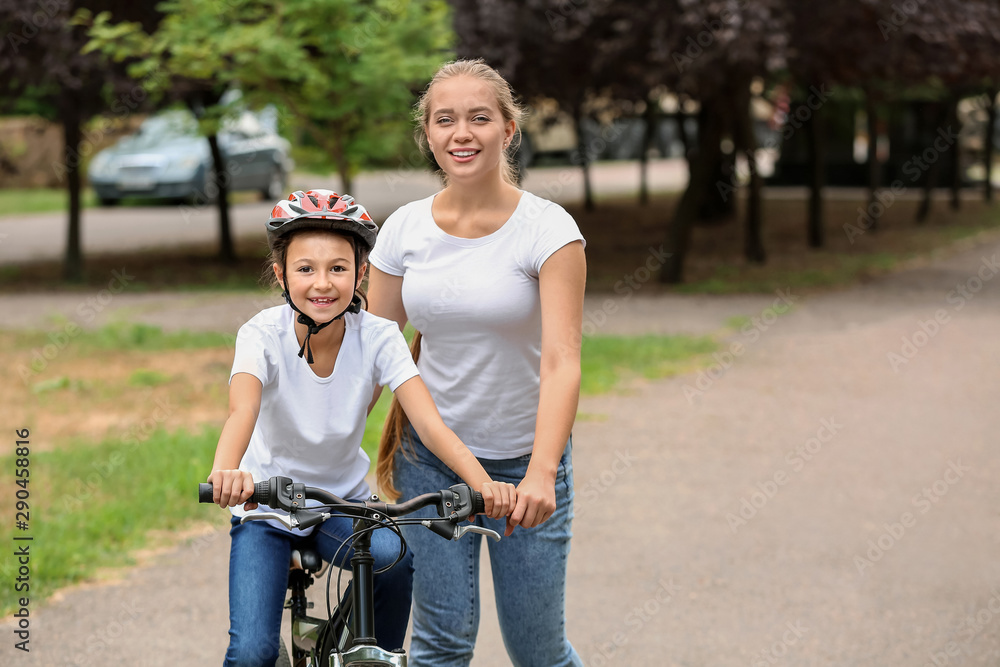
(824, 495)
(25, 238)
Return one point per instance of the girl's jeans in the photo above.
(529, 572)
(258, 579)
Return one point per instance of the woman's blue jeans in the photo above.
(529, 572)
(258, 579)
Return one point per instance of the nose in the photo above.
(323, 280)
(462, 132)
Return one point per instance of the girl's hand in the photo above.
(231, 487)
(499, 498)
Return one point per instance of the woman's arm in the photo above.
(385, 299)
(419, 407)
(232, 486)
(561, 283)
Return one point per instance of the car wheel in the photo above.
(275, 188)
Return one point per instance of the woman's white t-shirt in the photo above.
(476, 302)
(309, 428)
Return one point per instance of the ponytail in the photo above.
(392, 439)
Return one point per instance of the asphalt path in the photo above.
(823, 495)
(28, 238)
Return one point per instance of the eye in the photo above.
(304, 269)
(443, 120)
(481, 119)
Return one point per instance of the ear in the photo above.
(278, 273)
(361, 273)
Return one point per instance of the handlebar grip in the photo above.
(204, 493)
(261, 493)
(478, 505)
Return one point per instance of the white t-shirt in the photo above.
(309, 428)
(476, 302)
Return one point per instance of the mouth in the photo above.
(464, 154)
(322, 302)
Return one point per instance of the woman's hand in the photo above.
(499, 498)
(536, 502)
(231, 487)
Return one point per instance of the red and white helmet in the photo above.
(321, 209)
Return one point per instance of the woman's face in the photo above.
(465, 129)
(319, 273)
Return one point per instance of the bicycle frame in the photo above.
(355, 618)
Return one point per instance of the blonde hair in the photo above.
(510, 109)
(392, 439)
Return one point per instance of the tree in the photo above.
(41, 55)
(344, 70)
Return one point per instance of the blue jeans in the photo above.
(529, 572)
(258, 579)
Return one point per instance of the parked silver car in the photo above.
(168, 158)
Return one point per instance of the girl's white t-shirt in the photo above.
(309, 428)
(476, 302)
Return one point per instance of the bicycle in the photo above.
(347, 637)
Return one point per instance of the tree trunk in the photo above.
(874, 166)
(928, 133)
(991, 121)
(584, 159)
(816, 147)
(73, 264)
(651, 116)
(716, 205)
(956, 156)
(221, 181)
(343, 166)
(746, 142)
(703, 170)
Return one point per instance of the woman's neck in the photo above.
(474, 196)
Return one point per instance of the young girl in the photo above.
(493, 278)
(299, 392)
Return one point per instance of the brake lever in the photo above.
(488, 532)
(286, 519)
(301, 519)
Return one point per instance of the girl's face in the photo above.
(320, 273)
(465, 129)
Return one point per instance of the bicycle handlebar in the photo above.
(454, 504)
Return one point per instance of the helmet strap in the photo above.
(311, 326)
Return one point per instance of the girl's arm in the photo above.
(385, 299)
(419, 407)
(230, 485)
(561, 282)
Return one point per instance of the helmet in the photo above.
(321, 209)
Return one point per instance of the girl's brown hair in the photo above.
(392, 439)
(509, 107)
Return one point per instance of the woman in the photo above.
(493, 279)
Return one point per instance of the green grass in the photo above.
(608, 361)
(41, 200)
(119, 336)
(728, 280)
(144, 377)
(91, 506)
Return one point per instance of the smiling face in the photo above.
(320, 273)
(465, 128)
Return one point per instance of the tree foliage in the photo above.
(344, 70)
(41, 61)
